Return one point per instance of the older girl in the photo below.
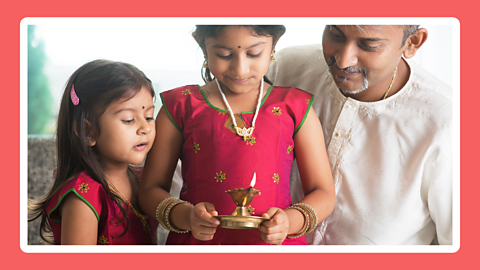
(236, 125)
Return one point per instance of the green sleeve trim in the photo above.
(304, 117)
(225, 111)
(168, 113)
(61, 199)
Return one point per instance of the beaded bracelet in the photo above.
(160, 214)
(163, 211)
(166, 217)
(161, 208)
(312, 214)
(306, 225)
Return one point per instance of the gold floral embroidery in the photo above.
(196, 147)
(250, 140)
(251, 210)
(277, 111)
(220, 176)
(276, 178)
(103, 240)
(186, 92)
(185, 189)
(289, 149)
(83, 188)
(222, 113)
(308, 101)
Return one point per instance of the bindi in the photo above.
(143, 107)
(239, 47)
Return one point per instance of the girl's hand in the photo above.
(275, 230)
(203, 224)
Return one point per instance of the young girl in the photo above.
(227, 130)
(105, 123)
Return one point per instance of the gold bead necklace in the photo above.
(391, 83)
(143, 218)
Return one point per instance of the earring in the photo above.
(272, 58)
(205, 62)
(90, 142)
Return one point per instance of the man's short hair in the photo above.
(408, 30)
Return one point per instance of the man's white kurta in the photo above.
(390, 159)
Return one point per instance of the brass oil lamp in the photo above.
(240, 217)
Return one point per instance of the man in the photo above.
(386, 124)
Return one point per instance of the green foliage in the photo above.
(40, 100)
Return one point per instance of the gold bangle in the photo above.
(166, 217)
(161, 214)
(306, 221)
(312, 214)
(161, 208)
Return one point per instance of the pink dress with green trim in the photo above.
(111, 223)
(215, 159)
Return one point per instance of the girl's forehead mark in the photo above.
(239, 47)
(143, 107)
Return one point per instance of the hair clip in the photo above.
(74, 97)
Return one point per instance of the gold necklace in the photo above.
(243, 132)
(391, 83)
(143, 218)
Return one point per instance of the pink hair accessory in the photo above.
(74, 97)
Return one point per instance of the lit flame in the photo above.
(254, 180)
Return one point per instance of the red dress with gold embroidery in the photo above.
(215, 159)
(111, 223)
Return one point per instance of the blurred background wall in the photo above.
(164, 50)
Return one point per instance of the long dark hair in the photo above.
(202, 32)
(97, 84)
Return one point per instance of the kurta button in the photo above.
(349, 106)
(337, 134)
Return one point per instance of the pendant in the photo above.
(245, 132)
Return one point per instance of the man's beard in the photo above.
(342, 80)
